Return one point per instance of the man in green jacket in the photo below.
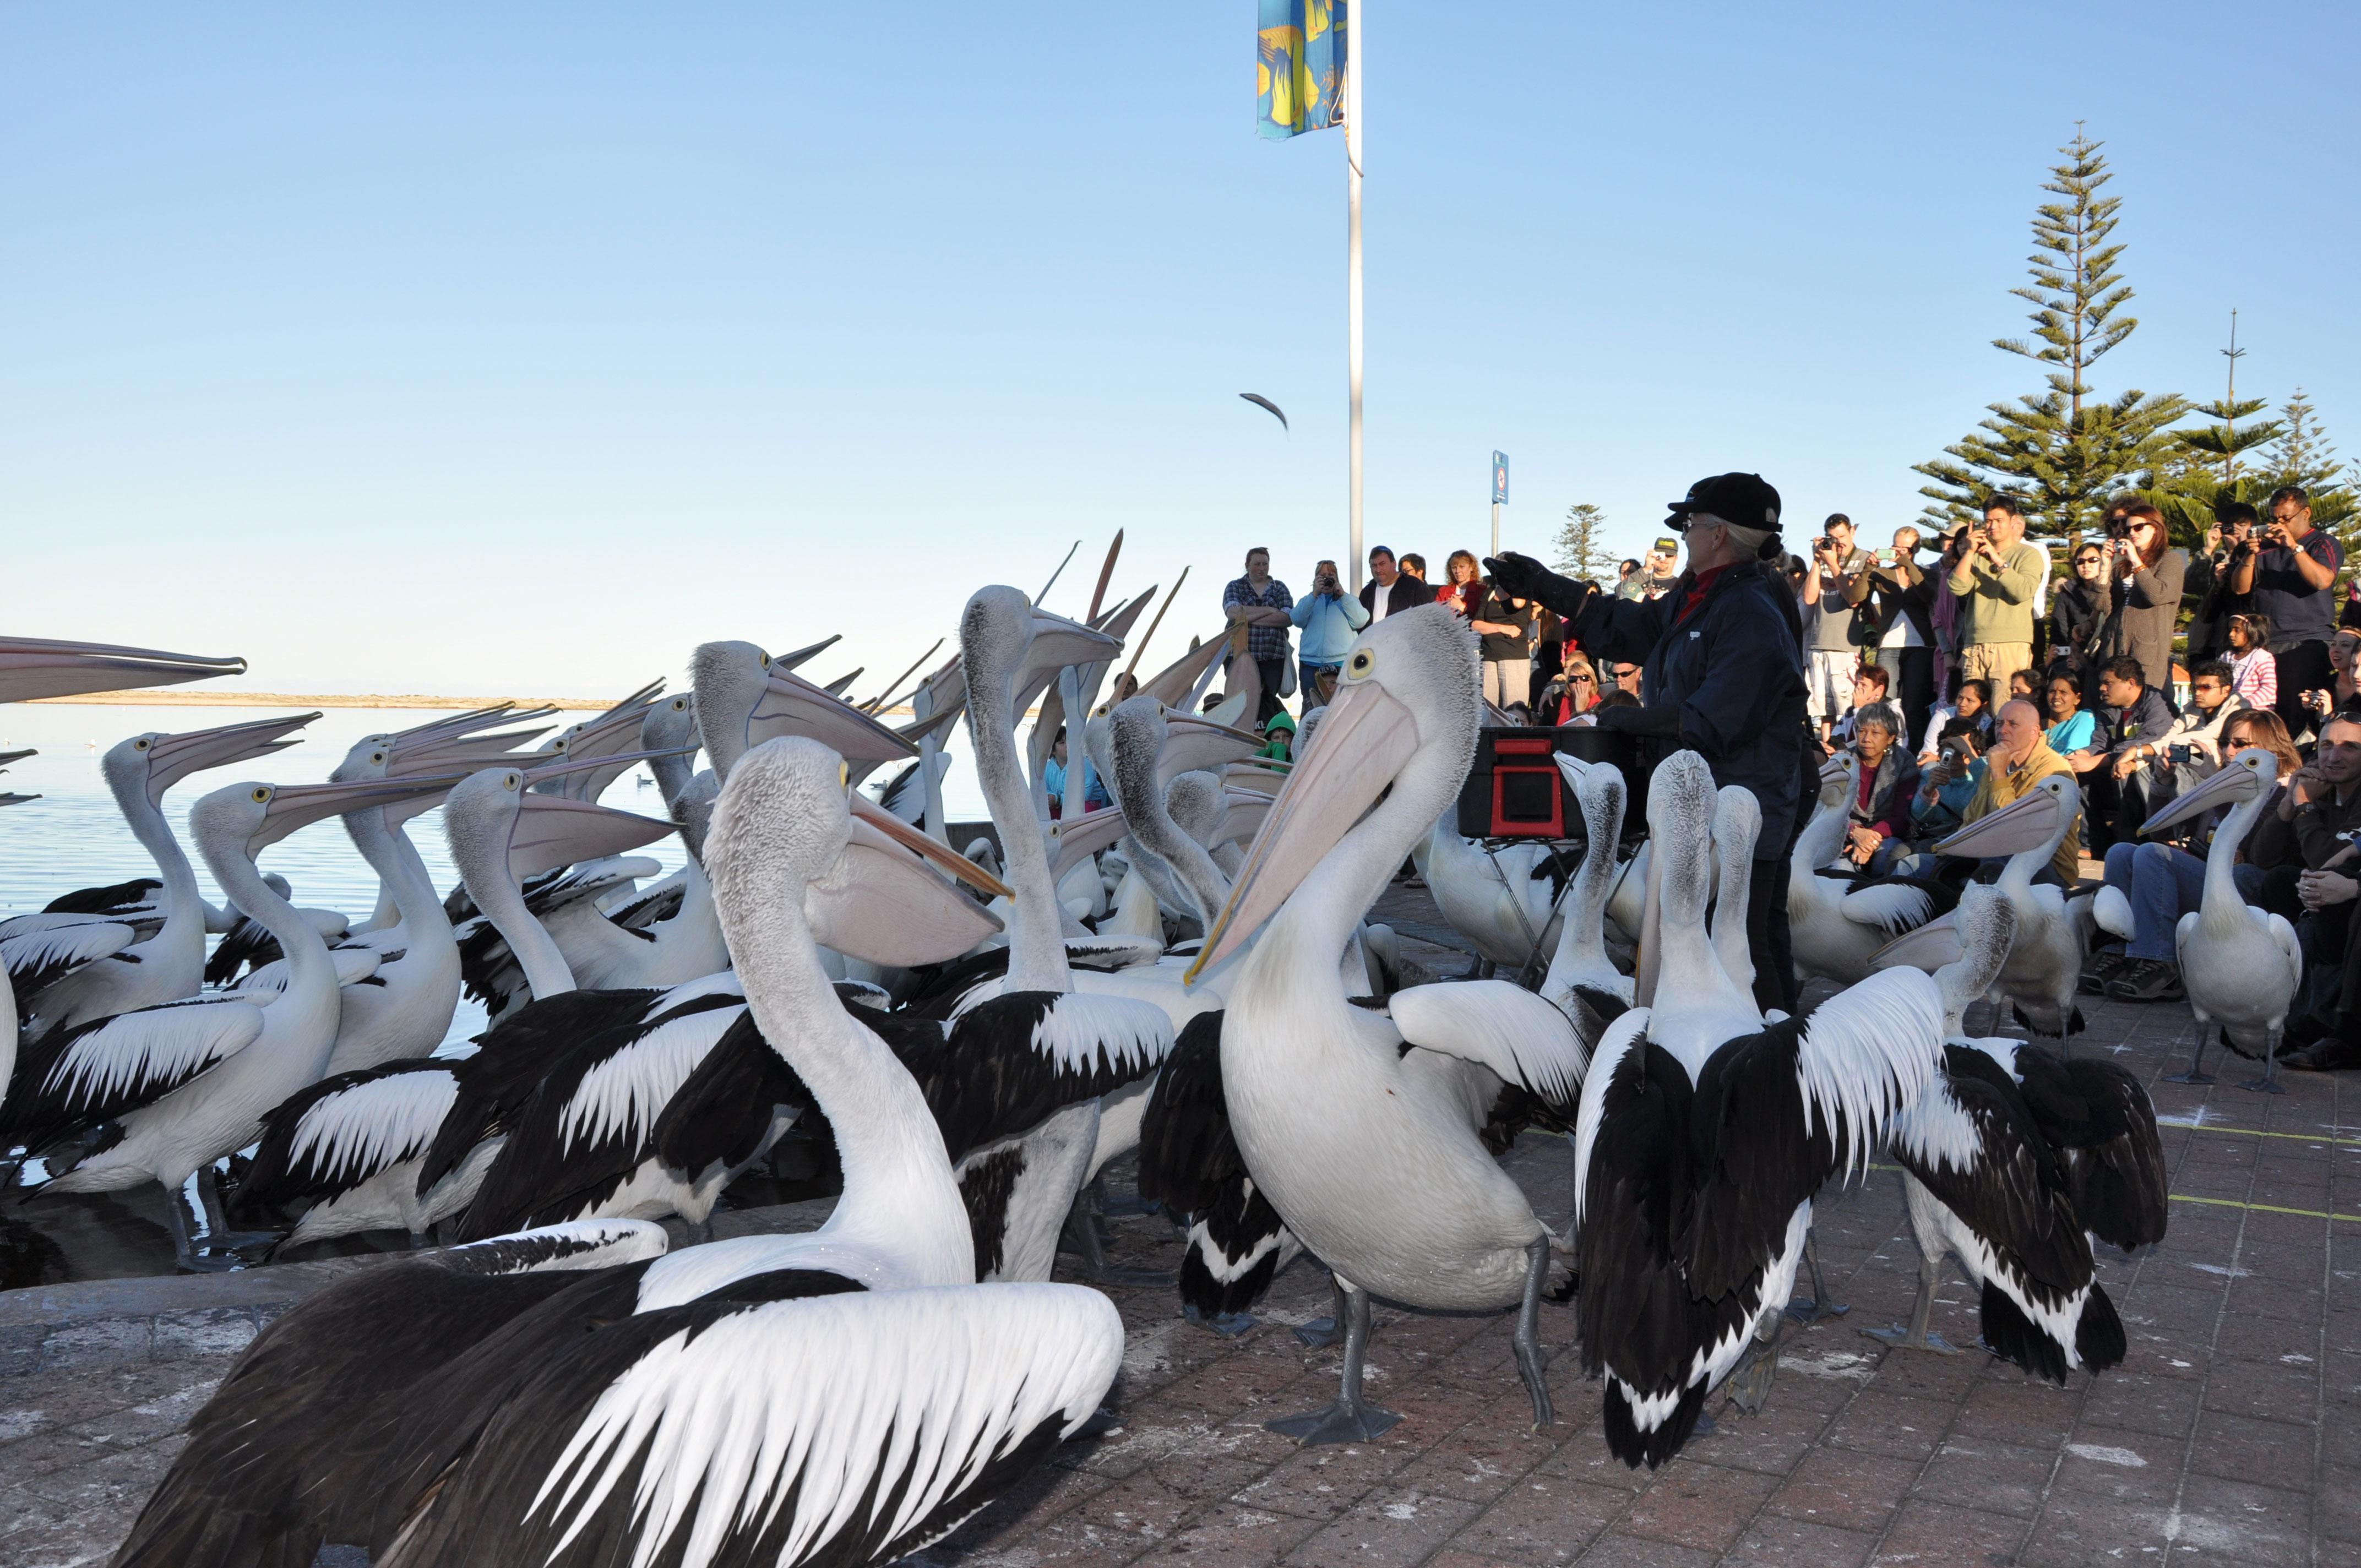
(1997, 577)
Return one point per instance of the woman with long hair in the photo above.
(2145, 573)
(1463, 571)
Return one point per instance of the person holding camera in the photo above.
(2293, 579)
(1829, 645)
(2145, 574)
(2079, 610)
(1901, 625)
(1996, 573)
(1329, 618)
(2227, 543)
(2190, 750)
(1723, 677)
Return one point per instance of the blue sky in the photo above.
(518, 348)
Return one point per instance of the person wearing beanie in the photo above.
(1722, 674)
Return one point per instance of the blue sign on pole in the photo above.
(1499, 478)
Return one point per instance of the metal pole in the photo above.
(1496, 527)
(1353, 267)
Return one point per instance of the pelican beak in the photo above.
(2237, 782)
(34, 667)
(1571, 769)
(1262, 778)
(1834, 771)
(1368, 736)
(289, 806)
(789, 705)
(941, 720)
(805, 655)
(1248, 810)
(460, 754)
(552, 830)
(2026, 825)
(1057, 643)
(881, 905)
(1929, 947)
(1086, 835)
(909, 837)
(172, 758)
(1194, 744)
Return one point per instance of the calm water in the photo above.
(73, 837)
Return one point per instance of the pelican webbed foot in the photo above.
(1351, 1419)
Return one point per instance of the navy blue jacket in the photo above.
(1727, 684)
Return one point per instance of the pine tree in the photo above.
(2186, 486)
(2304, 456)
(2224, 442)
(1581, 545)
(2067, 449)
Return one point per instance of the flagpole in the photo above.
(1352, 268)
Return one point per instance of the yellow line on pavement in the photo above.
(2259, 1132)
(2215, 1202)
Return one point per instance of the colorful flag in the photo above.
(1299, 67)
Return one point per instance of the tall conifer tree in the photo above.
(1581, 545)
(2065, 449)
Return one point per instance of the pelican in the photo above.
(157, 1094)
(2045, 962)
(1982, 1183)
(1836, 928)
(1694, 1107)
(844, 1396)
(1502, 900)
(2241, 965)
(1372, 1156)
(1580, 960)
(171, 964)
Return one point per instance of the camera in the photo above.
(1951, 753)
(2179, 755)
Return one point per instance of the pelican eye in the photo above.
(377, 756)
(844, 775)
(511, 780)
(140, 744)
(262, 794)
(764, 659)
(1358, 665)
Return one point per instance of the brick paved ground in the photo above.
(2232, 1433)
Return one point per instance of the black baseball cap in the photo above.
(1743, 501)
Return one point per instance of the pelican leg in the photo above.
(2269, 1082)
(2196, 1058)
(218, 1236)
(1915, 1337)
(1531, 1366)
(1083, 1237)
(1321, 1332)
(1811, 1311)
(1350, 1418)
(1749, 1384)
(179, 1218)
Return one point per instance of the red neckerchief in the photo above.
(1694, 597)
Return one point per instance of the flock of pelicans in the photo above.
(954, 1045)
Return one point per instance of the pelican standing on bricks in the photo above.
(1370, 1154)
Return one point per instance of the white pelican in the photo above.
(1837, 926)
(2045, 962)
(2241, 964)
(1693, 1106)
(844, 1396)
(1368, 1154)
(1982, 1183)
(1580, 961)
(157, 1094)
(1503, 900)
(171, 964)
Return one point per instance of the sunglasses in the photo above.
(1582, 680)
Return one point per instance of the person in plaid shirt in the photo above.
(1260, 602)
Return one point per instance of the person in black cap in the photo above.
(1723, 675)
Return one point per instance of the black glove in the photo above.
(1523, 577)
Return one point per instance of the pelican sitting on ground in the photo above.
(1837, 926)
(2045, 962)
(157, 1094)
(1370, 1154)
(171, 964)
(1982, 1183)
(2241, 964)
(1693, 1107)
(844, 1396)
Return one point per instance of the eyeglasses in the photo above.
(1584, 680)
